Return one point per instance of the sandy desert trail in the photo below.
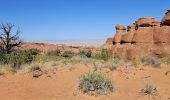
(62, 84)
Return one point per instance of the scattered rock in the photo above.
(167, 73)
(36, 72)
(48, 75)
(1, 73)
(147, 77)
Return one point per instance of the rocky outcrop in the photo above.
(128, 36)
(146, 36)
(166, 19)
(120, 30)
(145, 22)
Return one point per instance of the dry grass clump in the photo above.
(147, 60)
(114, 64)
(151, 91)
(166, 60)
(95, 83)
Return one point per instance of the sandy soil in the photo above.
(62, 84)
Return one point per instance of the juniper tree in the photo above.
(9, 39)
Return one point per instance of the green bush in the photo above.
(34, 51)
(17, 58)
(54, 53)
(86, 53)
(95, 83)
(104, 55)
(68, 54)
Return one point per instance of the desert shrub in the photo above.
(113, 64)
(116, 56)
(40, 58)
(2, 58)
(34, 51)
(97, 66)
(104, 55)
(17, 58)
(79, 59)
(149, 89)
(68, 54)
(54, 53)
(136, 62)
(166, 60)
(86, 53)
(151, 61)
(95, 83)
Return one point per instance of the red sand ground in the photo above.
(63, 84)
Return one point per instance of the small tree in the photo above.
(8, 39)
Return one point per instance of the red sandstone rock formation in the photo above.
(166, 19)
(145, 37)
(120, 30)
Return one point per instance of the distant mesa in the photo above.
(146, 36)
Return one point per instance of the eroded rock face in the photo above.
(145, 22)
(120, 30)
(143, 35)
(146, 36)
(166, 19)
(128, 36)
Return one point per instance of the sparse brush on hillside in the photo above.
(114, 64)
(54, 53)
(151, 91)
(135, 62)
(166, 60)
(95, 83)
(104, 55)
(86, 53)
(151, 61)
(17, 58)
(68, 54)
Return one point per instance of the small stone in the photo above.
(36, 73)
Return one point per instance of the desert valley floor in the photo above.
(62, 83)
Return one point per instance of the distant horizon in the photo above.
(73, 42)
(43, 20)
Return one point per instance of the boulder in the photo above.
(128, 36)
(120, 27)
(166, 19)
(145, 22)
(120, 30)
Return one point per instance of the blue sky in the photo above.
(76, 19)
